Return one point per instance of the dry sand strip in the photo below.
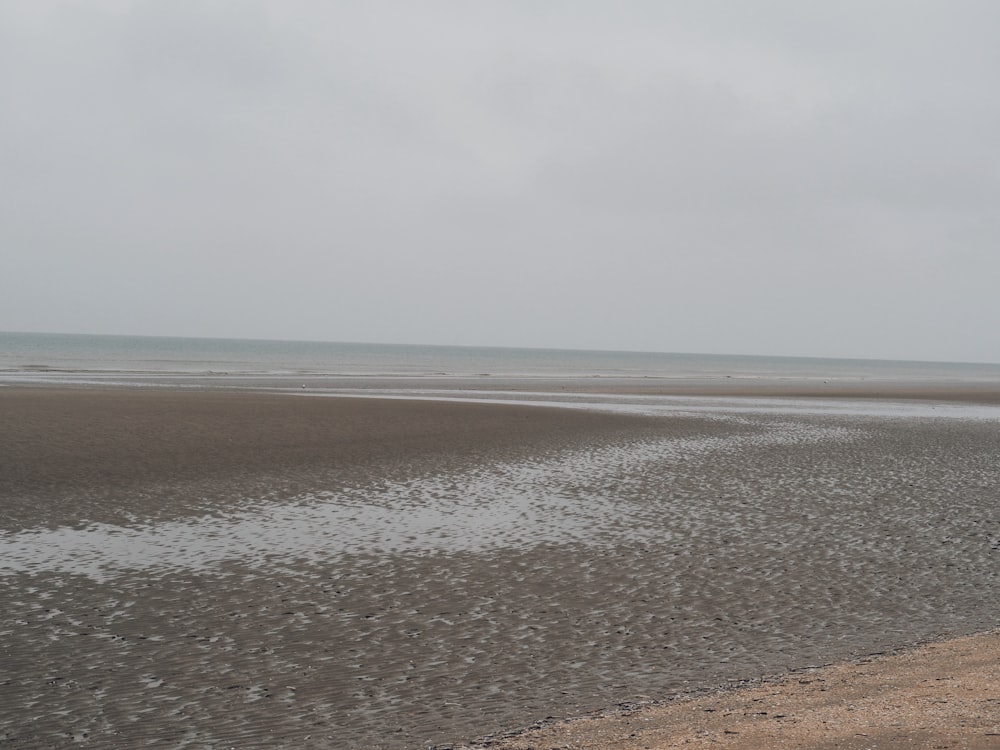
(938, 695)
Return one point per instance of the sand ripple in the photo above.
(570, 497)
(396, 614)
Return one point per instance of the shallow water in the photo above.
(660, 405)
(471, 510)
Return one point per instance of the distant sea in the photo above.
(48, 356)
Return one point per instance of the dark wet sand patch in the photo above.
(73, 456)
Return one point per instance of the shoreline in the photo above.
(943, 693)
(630, 557)
(932, 389)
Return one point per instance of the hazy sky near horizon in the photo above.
(760, 177)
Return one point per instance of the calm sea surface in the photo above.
(53, 356)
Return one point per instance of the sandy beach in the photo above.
(627, 560)
(938, 695)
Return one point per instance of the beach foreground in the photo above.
(939, 695)
(188, 568)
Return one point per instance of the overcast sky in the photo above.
(748, 177)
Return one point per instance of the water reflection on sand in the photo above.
(555, 499)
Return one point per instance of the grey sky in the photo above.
(797, 178)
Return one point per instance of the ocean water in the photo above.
(32, 356)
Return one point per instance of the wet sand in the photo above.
(656, 557)
(74, 456)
